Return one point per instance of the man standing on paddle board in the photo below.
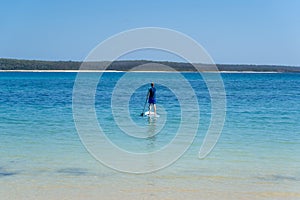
(152, 98)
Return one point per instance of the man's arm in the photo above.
(148, 94)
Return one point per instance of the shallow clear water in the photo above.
(259, 147)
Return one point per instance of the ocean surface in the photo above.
(256, 157)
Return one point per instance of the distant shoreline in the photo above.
(16, 65)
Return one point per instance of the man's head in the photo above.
(152, 84)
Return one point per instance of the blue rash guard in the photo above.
(152, 96)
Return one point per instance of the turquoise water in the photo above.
(259, 147)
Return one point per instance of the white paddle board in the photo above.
(151, 114)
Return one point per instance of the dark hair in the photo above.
(152, 84)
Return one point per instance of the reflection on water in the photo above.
(151, 139)
(152, 124)
(151, 132)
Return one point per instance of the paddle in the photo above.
(142, 114)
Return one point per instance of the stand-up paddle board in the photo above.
(151, 114)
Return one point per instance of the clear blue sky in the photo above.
(255, 31)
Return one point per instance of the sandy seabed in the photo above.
(149, 186)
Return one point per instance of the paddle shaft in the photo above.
(145, 104)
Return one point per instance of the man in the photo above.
(152, 98)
